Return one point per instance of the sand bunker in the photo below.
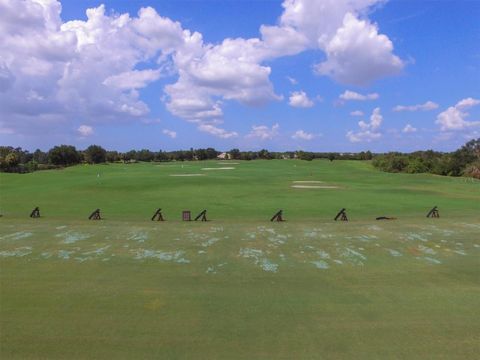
(187, 174)
(311, 184)
(307, 182)
(314, 187)
(219, 168)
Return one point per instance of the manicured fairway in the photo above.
(252, 191)
(238, 286)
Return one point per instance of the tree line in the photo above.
(22, 161)
(462, 162)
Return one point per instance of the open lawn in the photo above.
(238, 287)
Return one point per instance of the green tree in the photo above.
(201, 154)
(416, 166)
(211, 153)
(40, 157)
(161, 156)
(95, 154)
(473, 147)
(368, 155)
(113, 156)
(12, 160)
(473, 170)
(303, 155)
(264, 154)
(145, 155)
(64, 155)
(235, 154)
(130, 155)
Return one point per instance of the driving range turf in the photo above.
(238, 286)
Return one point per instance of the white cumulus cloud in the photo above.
(170, 133)
(292, 80)
(135, 79)
(349, 95)
(467, 103)
(358, 54)
(300, 99)
(263, 132)
(368, 130)
(302, 135)
(85, 130)
(357, 113)
(454, 117)
(216, 131)
(53, 73)
(409, 129)
(429, 105)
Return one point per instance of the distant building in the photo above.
(223, 156)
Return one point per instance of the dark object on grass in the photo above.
(95, 215)
(342, 215)
(186, 215)
(433, 213)
(278, 216)
(158, 215)
(386, 218)
(202, 216)
(35, 213)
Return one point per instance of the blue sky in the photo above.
(320, 75)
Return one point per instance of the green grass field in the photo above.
(238, 286)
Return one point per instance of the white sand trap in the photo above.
(314, 187)
(219, 168)
(307, 182)
(228, 163)
(187, 174)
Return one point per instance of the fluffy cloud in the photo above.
(355, 51)
(300, 99)
(358, 54)
(230, 71)
(302, 135)
(357, 113)
(429, 105)
(264, 132)
(210, 74)
(368, 131)
(170, 133)
(454, 117)
(292, 80)
(409, 129)
(467, 103)
(135, 79)
(349, 95)
(216, 131)
(85, 130)
(53, 73)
